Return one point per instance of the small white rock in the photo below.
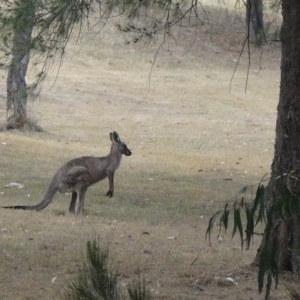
(15, 184)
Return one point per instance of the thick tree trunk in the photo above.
(254, 20)
(16, 84)
(285, 232)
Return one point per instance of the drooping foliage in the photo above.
(248, 214)
(52, 23)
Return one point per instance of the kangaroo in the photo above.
(78, 174)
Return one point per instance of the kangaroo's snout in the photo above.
(128, 152)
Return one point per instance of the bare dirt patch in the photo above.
(194, 146)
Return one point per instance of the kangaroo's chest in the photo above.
(99, 171)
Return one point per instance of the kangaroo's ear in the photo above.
(114, 136)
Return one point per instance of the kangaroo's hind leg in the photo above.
(73, 203)
(80, 203)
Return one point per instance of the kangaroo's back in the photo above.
(90, 168)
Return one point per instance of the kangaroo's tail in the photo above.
(44, 203)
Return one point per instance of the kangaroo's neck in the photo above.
(114, 157)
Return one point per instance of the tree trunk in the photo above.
(16, 84)
(254, 21)
(285, 232)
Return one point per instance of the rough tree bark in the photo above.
(286, 233)
(16, 102)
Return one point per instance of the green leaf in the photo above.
(243, 190)
(249, 227)
(237, 224)
(265, 256)
(211, 224)
(274, 262)
(242, 202)
(220, 226)
(260, 192)
(263, 265)
(240, 227)
(262, 204)
(225, 217)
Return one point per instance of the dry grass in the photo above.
(188, 135)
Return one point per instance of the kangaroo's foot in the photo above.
(110, 193)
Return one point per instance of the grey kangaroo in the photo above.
(78, 174)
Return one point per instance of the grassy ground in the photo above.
(194, 144)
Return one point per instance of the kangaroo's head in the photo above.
(118, 144)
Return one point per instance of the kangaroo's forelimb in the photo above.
(110, 176)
